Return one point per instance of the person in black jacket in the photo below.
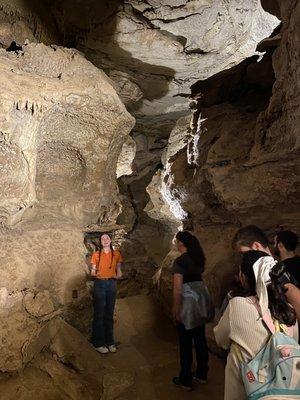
(286, 243)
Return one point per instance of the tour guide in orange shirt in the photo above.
(106, 268)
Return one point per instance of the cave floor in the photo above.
(148, 351)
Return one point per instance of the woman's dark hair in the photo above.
(193, 247)
(246, 268)
(278, 305)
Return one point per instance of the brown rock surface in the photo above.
(245, 167)
(147, 359)
(61, 135)
(68, 368)
(153, 51)
(67, 140)
(64, 142)
(38, 305)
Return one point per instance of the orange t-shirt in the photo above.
(107, 268)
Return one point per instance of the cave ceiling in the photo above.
(153, 50)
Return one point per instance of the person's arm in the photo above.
(177, 296)
(119, 270)
(119, 266)
(222, 330)
(94, 265)
(224, 305)
(293, 297)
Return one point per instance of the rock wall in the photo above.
(241, 166)
(153, 51)
(163, 48)
(64, 141)
(62, 132)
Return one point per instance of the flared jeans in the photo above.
(104, 299)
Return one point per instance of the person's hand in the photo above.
(119, 273)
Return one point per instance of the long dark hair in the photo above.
(278, 305)
(246, 268)
(194, 249)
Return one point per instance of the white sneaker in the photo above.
(112, 348)
(102, 350)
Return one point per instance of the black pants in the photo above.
(186, 339)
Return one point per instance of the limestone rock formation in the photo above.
(126, 157)
(65, 367)
(62, 130)
(38, 305)
(59, 161)
(64, 143)
(153, 51)
(164, 204)
(165, 46)
(245, 168)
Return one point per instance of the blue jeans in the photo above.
(104, 298)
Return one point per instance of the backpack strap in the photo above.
(273, 327)
(237, 352)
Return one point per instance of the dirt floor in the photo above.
(148, 350)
